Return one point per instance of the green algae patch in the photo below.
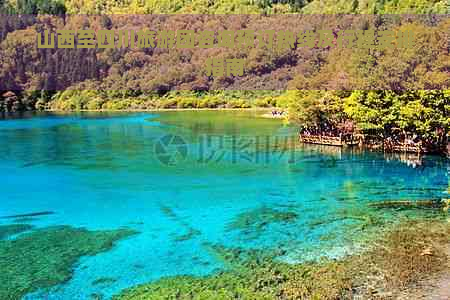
(45, 257)
(256, 276)
(9, 230)
(257, 219)
(399, 258)
(237, 257)
(251, 274)
(188, 235)
(96, 296)
(104, 281)
(275, 281)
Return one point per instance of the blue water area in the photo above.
(189, 180)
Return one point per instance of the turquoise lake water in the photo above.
(182, 179)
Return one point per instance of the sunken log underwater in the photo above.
(443, 204)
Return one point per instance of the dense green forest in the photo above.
(380, 91)
(225, 6)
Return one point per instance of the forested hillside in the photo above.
(379, 90)
(225, 6)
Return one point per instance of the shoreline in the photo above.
(161, 109)
(265, 110)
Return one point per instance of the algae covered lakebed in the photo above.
(45, 257)
(99, 205)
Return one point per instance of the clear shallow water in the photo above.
(182, 179)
